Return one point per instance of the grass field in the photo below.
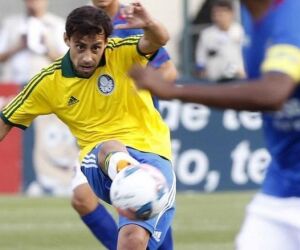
(203, 222)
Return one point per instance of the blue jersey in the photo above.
(160, 57)
(273, 44)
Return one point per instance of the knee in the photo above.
(112, 145)
(84, 200)
(133, 237)
(78, 202)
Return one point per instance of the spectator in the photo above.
(218, 51)
(34, 37)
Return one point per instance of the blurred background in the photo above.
(183, 18)
(219, 156)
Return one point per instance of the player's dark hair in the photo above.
(223, 3)
(88, 20)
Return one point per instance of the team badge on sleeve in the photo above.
(106, 84)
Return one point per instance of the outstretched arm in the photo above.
(4, 129)
(155, 34)
(267, 93)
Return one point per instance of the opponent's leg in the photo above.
(260, 233)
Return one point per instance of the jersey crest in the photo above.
(106, 84)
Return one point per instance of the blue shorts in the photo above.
(100, 183)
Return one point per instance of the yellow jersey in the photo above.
(103, 107)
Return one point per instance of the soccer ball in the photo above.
(140, 190)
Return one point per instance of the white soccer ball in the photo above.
(141, 190)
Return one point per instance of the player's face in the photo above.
(103, 3)
(86, 53)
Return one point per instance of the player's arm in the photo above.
(4, 129)
(32, 101)
(265, 94)
(162, 62)
(281, 73)
(155, 34)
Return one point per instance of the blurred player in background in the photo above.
(90, 91)
(272, 60)
(84, 201)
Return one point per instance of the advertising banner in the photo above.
(50, 157)
(215, 150)
(10, 149)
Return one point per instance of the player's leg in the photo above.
(110, 153)
(168, 241)
(92, 213)
(133, 237)
(159, 226)
(270, 224)
(106, 158)
(149, 234)
(260, 233)
(115, 156)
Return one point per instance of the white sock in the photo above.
(115, 158)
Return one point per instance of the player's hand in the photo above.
(136, 16)
(152, 80)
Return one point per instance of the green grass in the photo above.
(202, 222)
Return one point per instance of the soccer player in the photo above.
(90, 91)
(84, 201)
(272, 59)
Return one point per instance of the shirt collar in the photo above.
(67, 66)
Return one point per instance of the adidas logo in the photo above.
(156, 235)
(72, 100)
